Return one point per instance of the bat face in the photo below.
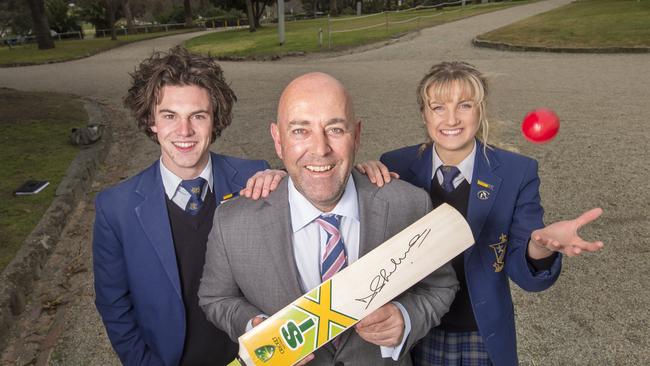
(340, 302)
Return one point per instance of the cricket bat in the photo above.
(337, 304)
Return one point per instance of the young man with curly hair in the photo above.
(151, 230)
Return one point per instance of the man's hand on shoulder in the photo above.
(262, 183)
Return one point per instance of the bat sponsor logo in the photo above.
(293, 333)
(265, 353)
(328, 322)
(379, 281)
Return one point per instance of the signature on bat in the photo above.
(380, 280)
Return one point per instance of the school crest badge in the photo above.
(499, 252)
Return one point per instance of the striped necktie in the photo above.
(334, 259)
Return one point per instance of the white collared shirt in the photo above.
(306, 232)
(466, 167)
(172, 184)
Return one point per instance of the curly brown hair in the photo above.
(178, 67)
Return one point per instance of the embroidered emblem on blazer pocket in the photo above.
(499, 252)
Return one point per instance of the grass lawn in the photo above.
(302, 36)
(70, 49)
(34, 129)
(584, 23)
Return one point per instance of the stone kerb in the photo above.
(18, 278)
(503, 46)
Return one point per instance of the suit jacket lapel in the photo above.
(421, 169)
(483, 192)
(278, 225)
(153, 217)
(226, 177)
(373, 214)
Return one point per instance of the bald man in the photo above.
(262, 255)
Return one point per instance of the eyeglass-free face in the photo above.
(452, 122)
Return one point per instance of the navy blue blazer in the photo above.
(137, 285)
(504, 208)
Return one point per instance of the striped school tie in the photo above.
(334, 259)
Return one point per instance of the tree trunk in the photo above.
(126, 5)
(111, 18)
(333, 9)
(188, 13)
(251, 16)
(41, 26)
(258, 9)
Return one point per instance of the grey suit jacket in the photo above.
(250, 268)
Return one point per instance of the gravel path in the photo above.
(597, 313)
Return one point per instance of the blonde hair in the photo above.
(441, 80)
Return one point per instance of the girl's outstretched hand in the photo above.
(562, 236)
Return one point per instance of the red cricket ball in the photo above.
(540, 125)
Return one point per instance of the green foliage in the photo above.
(210, 11)
(175, 14)
(593, 23)
(60, 17)
(213, 12)
(234, 14)
(348, 11)
(93, 12)
(34, 130)
(15, 17)
(29, 54)
(302, 35)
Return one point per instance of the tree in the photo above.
(40, 25)
(251, 15)
(102, 14)
(126, 7)
(333, 9)
(258, 10)
(60, 17)
(188, 13)
(111, 9)
(14, 17)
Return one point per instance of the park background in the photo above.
(597, 313)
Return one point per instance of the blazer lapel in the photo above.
(153, 217)
(421, 169)
(226, 178)
(277, 224)
(483, 192)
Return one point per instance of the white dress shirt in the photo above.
(466, 167)
(172, 184)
